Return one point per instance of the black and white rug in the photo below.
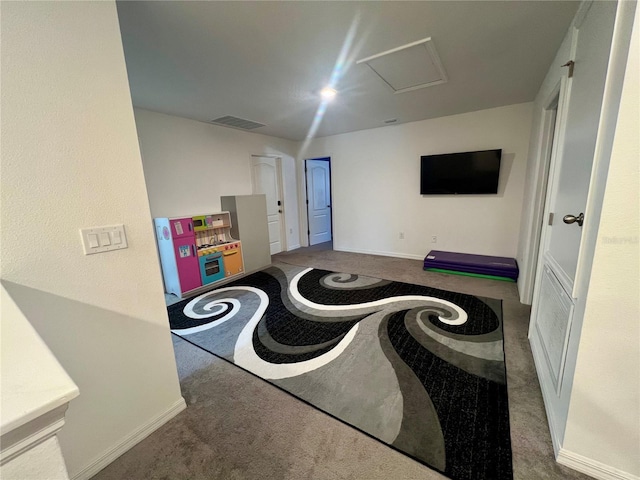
(417, 368)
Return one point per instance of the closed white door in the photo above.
(318, 200)
(579, 111)
(265, 175)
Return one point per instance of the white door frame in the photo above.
(547, 139)
(557, 405)
(280, 188)
(551, 390)
(563, 91)
(306, 195)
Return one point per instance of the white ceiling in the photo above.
(267, 61)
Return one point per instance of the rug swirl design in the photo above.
(419, 369)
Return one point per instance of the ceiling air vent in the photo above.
(409, 67)
(235, 122)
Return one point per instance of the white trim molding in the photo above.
(36, 390)
(377, 252)
(592, 467)
(130, 441)
(24, 438)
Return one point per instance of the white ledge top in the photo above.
(33, 382)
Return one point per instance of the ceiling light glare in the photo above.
(328, 93)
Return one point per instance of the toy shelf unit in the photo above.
(197, 251)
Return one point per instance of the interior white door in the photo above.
(318, 200)
(265, 176)
(572, 160)
(583, 115)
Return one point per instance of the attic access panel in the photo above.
(409, 67)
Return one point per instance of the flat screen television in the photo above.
(460, 173)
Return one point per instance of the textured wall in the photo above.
(189, 165)
(43, 461)
(70, 159)
(376, 185)
(33, 384)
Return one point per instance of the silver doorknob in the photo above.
(569, 219)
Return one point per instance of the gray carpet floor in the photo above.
(237, 426)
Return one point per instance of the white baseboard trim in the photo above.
(592, 467)
(130, 441)
(377, 252)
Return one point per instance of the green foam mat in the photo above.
(467, 274)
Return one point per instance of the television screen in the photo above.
(460, 173)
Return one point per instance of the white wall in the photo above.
(43, 461)
(189, 165)
(35, 388)
(376, 185)
(70, 159)
(603, 423)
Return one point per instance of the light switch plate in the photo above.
(103, 239)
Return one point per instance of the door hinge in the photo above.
(308, 232)
(307, 202)
(570, 64)
(550, 218)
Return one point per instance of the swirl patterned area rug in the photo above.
(420, 369)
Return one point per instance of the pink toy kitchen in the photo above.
(197, 251)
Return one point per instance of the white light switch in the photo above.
(103, 239)
(93, 240)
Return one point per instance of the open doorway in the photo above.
(318, 200)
